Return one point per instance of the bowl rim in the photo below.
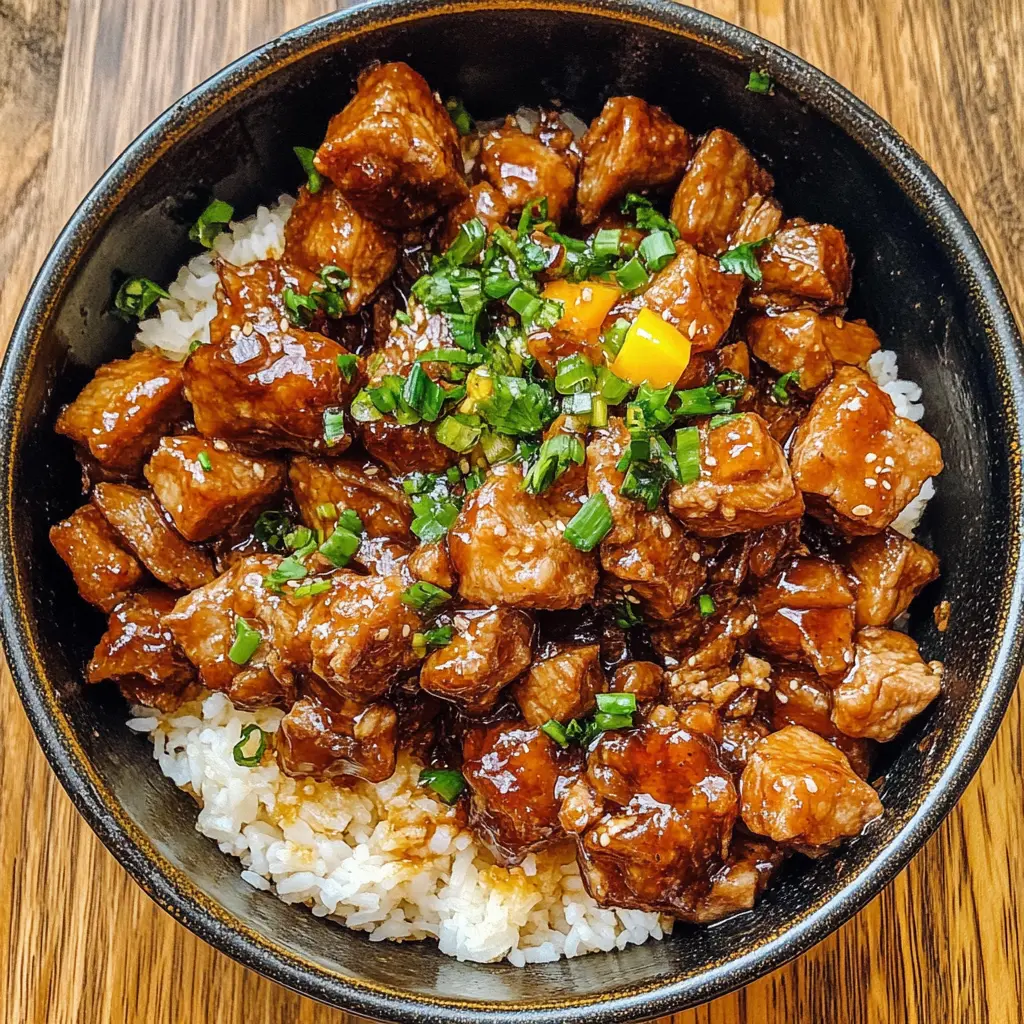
(169, 887)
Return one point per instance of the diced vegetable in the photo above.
(586, 303)
(654, 351)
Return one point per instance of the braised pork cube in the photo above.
(508, 547)
(711, 199)
(707, 669)
(797, 788)
(140, 523)
(138, 653)
(561, 685)
(484, 202)
(550, 346)
(406, 341)
(805, 614)
(522, 168)
(630, 146)
(645, 550)
(518, 777)
(767, 546)
(104, 571)
(745, 481)
(738, 883)
(887, 571)
(760, 219)
(205, 624)
(393, 151)
(888, 685)
(652, 816)
(740, 737)
(406, 449)
(804, 263)
(362, 641)
(343, 738)
(430, 562)
(803, 340)
(206, 502)
(643, 679)
(696, 296)
(857, 462)
(125, 409)
(341, 484)
(324, 230)
(481, 659)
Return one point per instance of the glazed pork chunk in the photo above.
(393, 151)
(518, 777)
(739, 881)
(857, 462)
(631, 145)
(119, 416)
(561, 685)
(804, 264)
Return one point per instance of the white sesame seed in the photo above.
(406, 629)
(258, 471)
(890, 461)
(605, 840)
(632, 599)
(692, 329)
(247, 328)
(711, 460)
(861, 510)
(221, 446)
(839, 322)
(870, 457)
(781, 698)
(887, 485)
(461, 623)
(382, 634)
(695, 557)
(500, 530)
(512, 551)
(283, 324)
(370, 471)
(666, 530)
(792, 684)
(812, 786)
(464, 466)
(691, 661)
(627, 588)
(870, 481)
(560, 525)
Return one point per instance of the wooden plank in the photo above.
(82, 943)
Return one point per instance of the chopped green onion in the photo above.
(598, 412)
(703, 402)
(347, 364)
(299, 308)
(613, 389)
(616, 703)
(644, 481)
(631, 275)
(720, 421)
(212, 221)
(453, 474)
(327, 510)
(463, 329)
(574, 373)
(313, 179)
(425, 597)
(334, 277)
(554, 458)
(136, 295)
(312, 589)
(657, 249)
(334, 426)
(590, 525)
(349, 520)
(247, 640)
(468, 244)
(340, 546)
(270, 529)
(447, 783)
(528, 218)
(759, 82)
(423, 394)
(688, 454)
(525, 304)
(474, 479)
(706, 605)
(581, 404)
(458, 356)
(298, 538)
(556, 731)
(289, 569)
(615, 336)
(517, 406)
(459, 115)
(203, 458)
(432, 638)
(604, 722)
(403, 318)
(743, 260)
(607, 242)
(460, 432)
(238, 750)
(647, 217)
(626, 615)
(497, 447)
(780, 392)
(363, 410)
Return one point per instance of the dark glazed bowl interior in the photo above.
(922, 281)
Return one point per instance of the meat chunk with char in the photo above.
(508, 547)
(888, 685)
(799, 789)
(104, 571)
(805, 341)
(745, 481)
(129, 404)
(561, 685)
(857, 462)
(887, 571)
(393, 151)
(759, 219)
(645, 550)
(738, 883)
(695, 296)
(141, 524)
(518, 777)
(138, 653)
(206, 502)
(805, 613)
(643, 679)
(711, 200)
(804, 264)
(430, 562)
(484, 202)
(653, 816)
(481, 659)
(324, 229)
(630, 145)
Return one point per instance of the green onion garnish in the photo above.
(720, 421)
(517, 406)
(613, 389)
(554, 458)
(298, 538)
(136, 295)
(616, 703)
(347, 364)
(607, 242)
(289, 569)
(327, 510)
(312, 589)
(300, 309)
(647, 217)
(688, 454)
(459, 115)
(626, 615)
(439, 637)
(474, 479)
(743, 260)
(631, 275)
(603, 722)
(334, 426)
(590, 525)
(403, 318)
(644, 481)
(780, 392)
(271, 528)
(422, 394)
(468, 244)
(615, 336)
(704, 401)
(425, 597)
(238, 750)
(340, 546)
(759, 82)
(460, 431)
(349, 520)
(657, 249)
(598, 412)
(581, 404)
(706, 605)
(203, 458)
(247, 640)
(574, 373)
(313, 179)
(212, 221)
(447, 783)
(556, 731)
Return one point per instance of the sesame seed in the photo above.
(221, 446)
(792, 684)
(382, 634)
(870, 481)
(500, 530)
(258, 471)
(461, 623)
(812, 786)
(861, 510)
(512, 551)
(627, 588)
(370, 471)
(527, 549)
(464, 466)
(781, 698)
(666, 530)
(887, 485)
(632, 599)
(692, 329)
(890, 461)
(839, 322)
(691, 661)
(283, 324)
(604, 839)
(247, 328)
(711, 460)
(870, 457)
(695, 557)
(560, 525)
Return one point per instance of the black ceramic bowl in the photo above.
(922, 280)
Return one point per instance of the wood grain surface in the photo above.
(78, 79)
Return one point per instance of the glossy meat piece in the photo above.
(138, 653)
(485, 202)
(804, 340)
(714, 669)
(561, 685)
(518, 777)
(404, 342)
(550, 346)
(804, 263)
(346, 738)
(104, 571)
(642, 678)
(857, 462)
(382, 556)
(324, 229)
(740, 736)
(139, 522)
(696, 296)
(507, 546)
(630, 146)
(710, 202)
(888, 685)
(430, 562)
(393, 151)
(406, 449)
(887, 571)
(805, 613)
(345, 484)
(738, 883)
(744, 484)
(129, 404)
(482, 658)
(798, 788)
(522, 168)
(652, 816)
(767, 546)
(204, 503)
(362, 640)
(647, 551)
(759, 219)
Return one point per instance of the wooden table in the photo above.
(78, 80)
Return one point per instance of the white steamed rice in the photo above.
(386, 859)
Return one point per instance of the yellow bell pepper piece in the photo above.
(654, 351)
(586, 305)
